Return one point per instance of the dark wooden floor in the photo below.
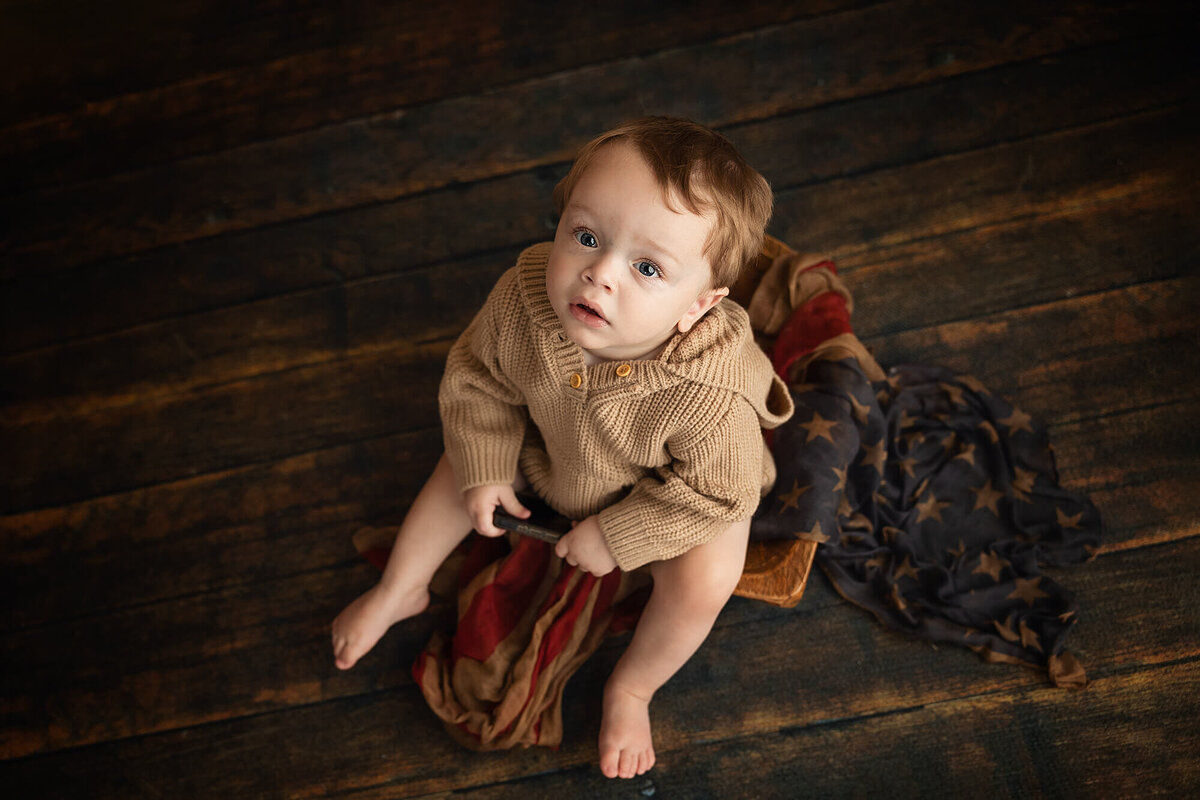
(237, 240)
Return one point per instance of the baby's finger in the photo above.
(482, 519)
(508, 499)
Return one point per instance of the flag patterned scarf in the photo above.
(935, 503)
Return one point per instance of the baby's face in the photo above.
(626, 272)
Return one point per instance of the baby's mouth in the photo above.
(588, 315)
(588, 309)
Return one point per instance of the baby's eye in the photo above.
(586, 238)
(648, 269)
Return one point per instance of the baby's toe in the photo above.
(645, 762)
(609, 763)
(629, 764)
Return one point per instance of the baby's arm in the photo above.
(483, 411)
(714, 479)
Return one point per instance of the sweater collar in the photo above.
(531, 273)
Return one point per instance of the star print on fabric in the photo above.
(1006, 631)
(909, 467)
(960, 552)
(906, 421)
(913, 440)
(897, 599)
(930, 507)
(1066, 616)
(972, 383)
(1023, 483)
(967, 454)
(987, 428)
(859, 522)
(986, 497)
(906, 570)
(990, 564)
(878, 562)
(1027, 590)
(814, 535)
(920, 490)
(1029, 638)
(1065, 522)
(889, 533)
(792, 499)
(875, 456)
(819, 428)
(955, 392)
(893, 380)
(844, 507)
(1018, 421)
(841, 479)
(861, 412)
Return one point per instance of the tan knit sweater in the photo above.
(668, 451)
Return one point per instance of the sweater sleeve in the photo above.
(713, 480)
(483, 411)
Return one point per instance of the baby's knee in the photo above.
(701, 583)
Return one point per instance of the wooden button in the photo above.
(576, 380)
(624, 370)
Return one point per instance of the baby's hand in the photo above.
(584, 547)
(481, 503)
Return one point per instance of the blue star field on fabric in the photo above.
(937, 505)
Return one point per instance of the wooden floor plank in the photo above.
(260, 73)
(270, 521)
(377, 159)
(851, 669)
(1126, 736)
(1083, 344)
(1098, 341)
(230, 271)
(813, 146)
(246, 525)
(344, 320)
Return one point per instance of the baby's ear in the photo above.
(706, 300)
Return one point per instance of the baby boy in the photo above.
(606, 375)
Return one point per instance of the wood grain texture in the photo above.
(282, 68)
(237, 240)
(973, 111)
(707, 701)
(377, 159)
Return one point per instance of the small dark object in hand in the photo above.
(510, 523)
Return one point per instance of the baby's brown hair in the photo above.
(706, 172)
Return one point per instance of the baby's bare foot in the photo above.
(626, 748)
(362, 623)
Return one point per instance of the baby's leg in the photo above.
(689, 592)
(433, 527)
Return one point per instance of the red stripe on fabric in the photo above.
(418, 669)
(559, 631)
(497, 607)
(479, 554)
(377, 557)
(818, 320)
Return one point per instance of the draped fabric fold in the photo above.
(935, 503)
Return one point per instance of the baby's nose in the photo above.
(603, 273)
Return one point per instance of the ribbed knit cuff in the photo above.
(483, 466)
(627, 533)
